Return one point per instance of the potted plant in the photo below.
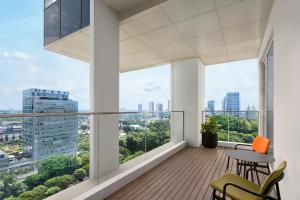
(209, 132)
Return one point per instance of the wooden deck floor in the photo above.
(186, 175)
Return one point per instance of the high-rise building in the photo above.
(140, 107)
(169, 105)
(211, 105)
(159, 107)
(231, 103)
(50, 135)
(251, 112)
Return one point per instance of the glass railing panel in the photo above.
(52, 23)
(43, 153)
(132, 136)
(236, 126)
(141, 133)
(70, 16)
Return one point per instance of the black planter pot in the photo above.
(210, 140)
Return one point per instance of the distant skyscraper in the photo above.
(159, 107)
(251, 113)
(151, 108)
(232, 102)
(48, 136)
(169, 105)
(140, 108)
(211, 106)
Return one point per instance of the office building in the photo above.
(232, 103)
(48, 136)
(211, 106)
(140, 107)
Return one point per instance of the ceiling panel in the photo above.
(244, 12)
(145, 24)
(242, 55)
(244, 32)
(130, 46)
(212, 52)
(215, 60)
(188, 8)
(245, 45)
(207, 41)
(223, 3)
(200, 25)
(175, 51)
(161, 37)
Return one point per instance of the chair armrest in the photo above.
(244, 189)
(245, 145)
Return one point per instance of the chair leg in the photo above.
(278, 192)
(213, 196)
(227, 166)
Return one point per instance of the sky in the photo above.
(25, 64)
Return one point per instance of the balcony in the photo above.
(131, 35)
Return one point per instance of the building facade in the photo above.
(211, 105)
(231, 103)
(140, 107)
(52, 135)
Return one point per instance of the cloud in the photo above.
(154, 88)
(17, 55)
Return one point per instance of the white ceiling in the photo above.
(216, 31)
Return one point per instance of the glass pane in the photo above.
(70, 16)
(269, 97)
(85, 13)
(52, 23)
(43, 155)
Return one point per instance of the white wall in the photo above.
(284, 25)
(104, 87)
(187, 78)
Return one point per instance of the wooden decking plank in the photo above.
(181, 179)
(148, 176)
(185, 171)
(201, 193)
(185, 191)
(219, 173)
(165, 177)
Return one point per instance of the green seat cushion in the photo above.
(233, 192)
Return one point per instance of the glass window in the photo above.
(85, 13)
(52, 23)
(70, 16)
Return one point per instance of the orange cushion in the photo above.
(261, 144)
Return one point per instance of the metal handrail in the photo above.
(77, 114)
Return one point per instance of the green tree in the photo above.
(85, 157)
(51, 191)
(79, 174)
(35, 180)
(86, 167)
(59, 165)
(60, 181)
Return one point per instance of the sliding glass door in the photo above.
(268, 96)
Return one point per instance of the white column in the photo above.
(104, 88)
(188, 79)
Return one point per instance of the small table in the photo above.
(249, 158)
